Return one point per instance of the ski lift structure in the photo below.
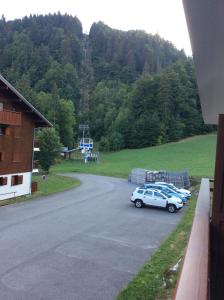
(85, 142)
(84, 148)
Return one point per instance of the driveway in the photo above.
(86, 243)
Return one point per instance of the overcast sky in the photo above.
(165, 17)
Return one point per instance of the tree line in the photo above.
(133, 89)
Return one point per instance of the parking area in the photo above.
(86, 243)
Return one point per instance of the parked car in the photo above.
(166, 190)
(141, 197)
(185, 192)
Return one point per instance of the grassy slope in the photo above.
(195, 155)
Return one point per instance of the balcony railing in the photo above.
(36, 144)
(10, 118)
(194, 278)
(36, 164)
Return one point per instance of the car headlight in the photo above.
(180, 202)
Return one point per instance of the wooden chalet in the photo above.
(202, 275)
(18, 120)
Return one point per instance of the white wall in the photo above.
(20, 189)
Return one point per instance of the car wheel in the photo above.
(171, 208)
(138, 203)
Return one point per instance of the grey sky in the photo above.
(165, 17)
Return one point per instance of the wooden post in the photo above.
(217, 222)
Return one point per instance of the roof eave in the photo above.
(33, 109)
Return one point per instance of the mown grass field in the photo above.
(195, 154)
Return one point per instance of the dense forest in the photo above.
(133, 89)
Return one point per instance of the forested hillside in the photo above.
(133, 89)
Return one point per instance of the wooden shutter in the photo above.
(13, 179)
(20, 179)
(8, 131)
(4, 181)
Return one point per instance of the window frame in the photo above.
(16, 180)
(3, 180)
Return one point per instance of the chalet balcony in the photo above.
(10, 118)
(36, 146)
(36, 166)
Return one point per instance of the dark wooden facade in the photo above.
(16, 147)
(18, 119)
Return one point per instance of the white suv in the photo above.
(141, 197)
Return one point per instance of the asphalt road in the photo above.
(86, 243)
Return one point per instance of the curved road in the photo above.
(85, 243)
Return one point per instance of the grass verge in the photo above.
(53, 184)
(148, 284)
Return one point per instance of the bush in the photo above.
(104, 144)
(50, 147)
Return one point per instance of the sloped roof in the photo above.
(205, 20)
(38, 118)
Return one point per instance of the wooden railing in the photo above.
(194, 278)
(10, 118)
(36, 164)
(36, 144)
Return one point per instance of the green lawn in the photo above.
(53, 184)
(196, 155)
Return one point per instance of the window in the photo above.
(161, 196)
(140, 191)
(3, 180)
(158, 195)
(1, 106)
(16, 179)
(2, 130)
(148, 193)
(5, 130)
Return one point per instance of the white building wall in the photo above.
(8, 191)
